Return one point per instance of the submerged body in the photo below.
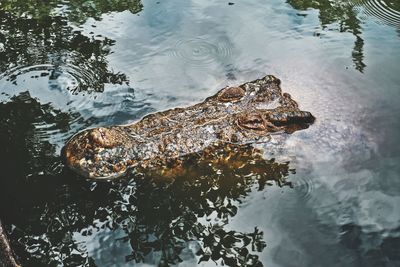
(234, 115)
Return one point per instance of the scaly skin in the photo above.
(235, 115)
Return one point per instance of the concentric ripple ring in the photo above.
(199, 52)
(385, 10)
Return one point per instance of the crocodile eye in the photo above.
(252, 122)
(231, 94)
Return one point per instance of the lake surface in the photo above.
(325, 196)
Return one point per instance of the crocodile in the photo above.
(235, 115)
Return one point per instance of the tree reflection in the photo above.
(77, 11)
(33, 33)
(161, 215)
(342, 13)
(209, 187)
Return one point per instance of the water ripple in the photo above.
(305, 186)
(66, 77)
(199, 52)
(385, 10)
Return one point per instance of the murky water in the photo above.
(329, 196)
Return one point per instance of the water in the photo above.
(329, 196)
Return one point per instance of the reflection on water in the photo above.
(49, 47)
(43, 52)
(387, 11)
(161, 220)
(69, 65)
(77, 11)
(342, 15)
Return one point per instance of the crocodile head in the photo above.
(238, 114)
(260, 107)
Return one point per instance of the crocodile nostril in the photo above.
(231, 94)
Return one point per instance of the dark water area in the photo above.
(325, 196)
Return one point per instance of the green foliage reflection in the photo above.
(76, 10)
(43, 38)
(343, 13)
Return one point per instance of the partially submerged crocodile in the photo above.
(235, 115)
